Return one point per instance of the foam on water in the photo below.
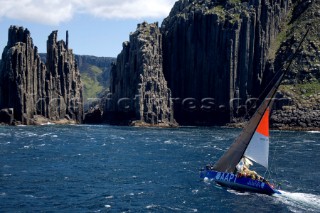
(300, 201)
(317, 132)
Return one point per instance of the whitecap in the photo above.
(237, 192)
(195, 191)
(217, 148)
(301, 201)
(29, 134)
(207, 180)
(3, 194)
(170, 142)
(54, 136)
(151, 206)
(109, 197)
(308, 141)
(314, 132)
(48, 123)
(107, 206)
(46, 134)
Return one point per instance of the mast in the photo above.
(229, 160)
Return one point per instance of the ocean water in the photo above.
(102, 168)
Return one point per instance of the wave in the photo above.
(313, 132)
(300, 201)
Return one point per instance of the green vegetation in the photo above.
(306, 89)
(91, 78)
(96, 70)
(219, 10)
(91, 86)
(235, 1)
(281, 37)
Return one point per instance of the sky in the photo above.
(96, 27)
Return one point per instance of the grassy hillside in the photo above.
(92, 86)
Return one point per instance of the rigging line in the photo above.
(277, 84)
(286, 71)
(290, 59)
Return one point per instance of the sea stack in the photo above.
(139, 93)
(37, 92)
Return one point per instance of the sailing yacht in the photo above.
(232, 169)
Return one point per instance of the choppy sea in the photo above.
(84, 168)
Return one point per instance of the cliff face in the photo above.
(139, 91)
(215, 55)
(301, 87)
(63, 85)
(32, 88)
(20, 75)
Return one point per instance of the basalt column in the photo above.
(139, 92)
(31, 90)
(21, 71)
(215, 54)
(62, 85)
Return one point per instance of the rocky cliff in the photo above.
(139, 90)
(215, 55)
(301, 87)
(35, 91)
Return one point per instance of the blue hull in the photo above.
(239, 183)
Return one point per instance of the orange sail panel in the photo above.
(263, 127)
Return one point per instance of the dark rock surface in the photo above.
(32, 88)
(7, 116)
(93, 116)
(140, 95)
(63, 84)
(301, 113)
(215, 55)
(302, 84)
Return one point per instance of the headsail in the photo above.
(228, 162)
(258, 148)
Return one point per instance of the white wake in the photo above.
(300, 202)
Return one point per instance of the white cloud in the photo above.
(50, 12)
(53, 12)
